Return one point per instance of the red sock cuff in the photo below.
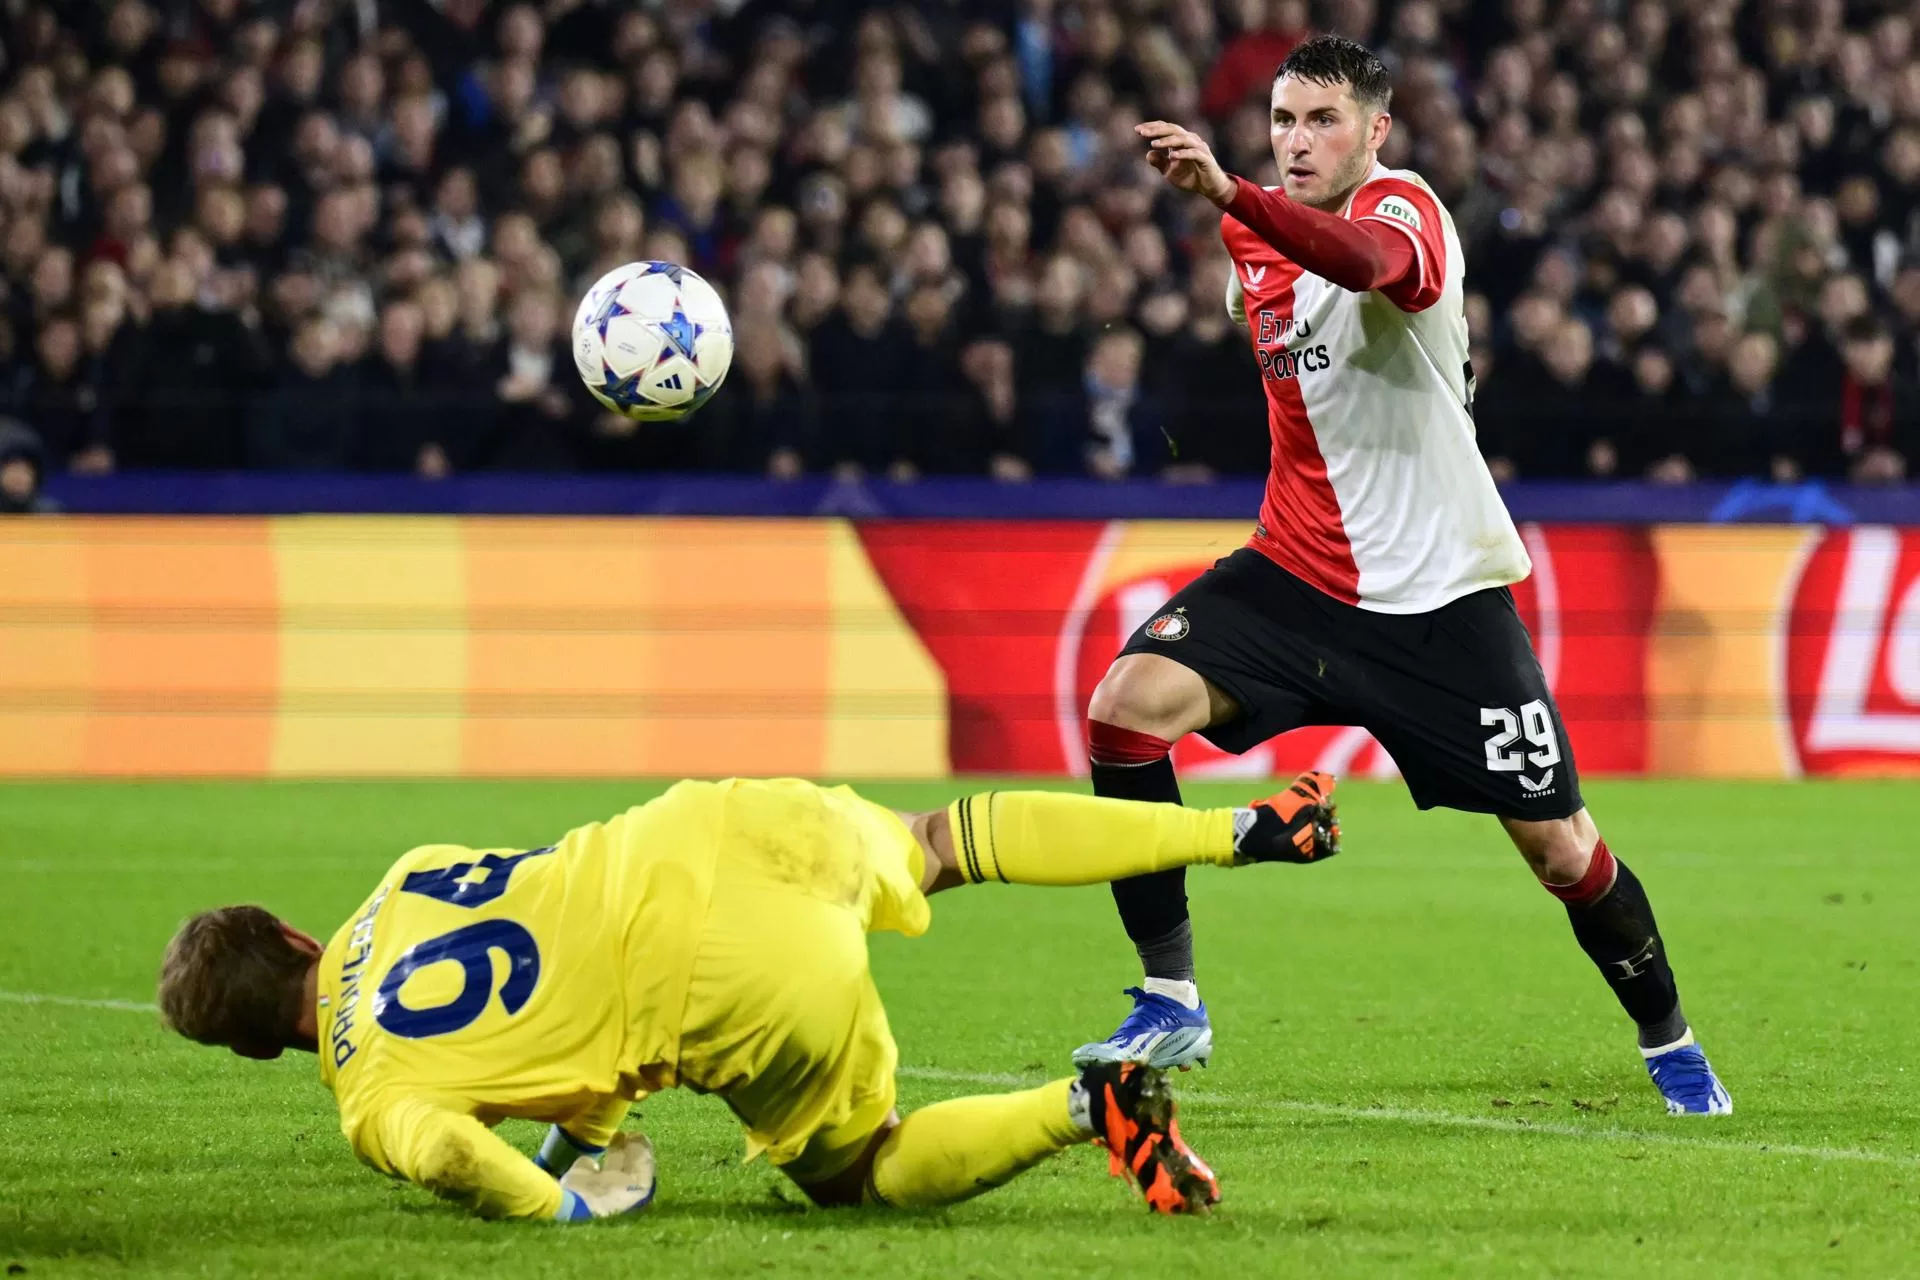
(1110, 744)
(1591, 887)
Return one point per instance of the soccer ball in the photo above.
(652, 341)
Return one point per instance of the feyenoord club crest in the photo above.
(1169, 626)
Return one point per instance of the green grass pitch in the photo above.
(1417, 1073)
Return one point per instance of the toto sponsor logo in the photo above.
(1853, 653)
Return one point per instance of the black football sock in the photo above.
(1614, 924)
(1153, 908)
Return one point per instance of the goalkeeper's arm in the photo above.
(586, 1134)
(457, 1158)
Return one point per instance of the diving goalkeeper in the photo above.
(712, 939)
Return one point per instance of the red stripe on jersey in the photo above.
(1416, 217)
(1300, 525)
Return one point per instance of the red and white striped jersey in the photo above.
(1377, 493)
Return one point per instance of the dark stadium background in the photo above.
(333, 237)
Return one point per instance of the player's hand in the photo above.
(1185, 160)
(620, 1181)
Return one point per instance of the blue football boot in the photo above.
(1160, 1032)
(1684, 1078)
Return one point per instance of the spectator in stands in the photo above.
(1872, 430)
(1119, 430)
(1211, 387)
(766, 422)
(542, 410)
(458, 230)
(858, 357)
(1660, 414)
(305, 421)
(199, 366)
(693, 208)
(1726, 178)
(1268, 31)
(947, 429)
(22, 469)
(1538, 415)
(53, 398)
(395, 427)
(1050, 349)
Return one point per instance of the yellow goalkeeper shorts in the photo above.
(783, 1019)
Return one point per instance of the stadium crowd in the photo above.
(327, 234)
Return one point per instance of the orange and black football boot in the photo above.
(1296, 825)
(1133, 1118)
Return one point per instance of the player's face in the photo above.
(1323, 140)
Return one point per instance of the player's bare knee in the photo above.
(1557, 851)
(1150, 694)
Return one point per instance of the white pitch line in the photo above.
(1330, 1110)
(1453, 1120)
(74, 1002)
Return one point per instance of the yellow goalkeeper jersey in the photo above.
(546, 984)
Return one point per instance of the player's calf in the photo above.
(948, 1152)
(953, 1151)
(1613, 921)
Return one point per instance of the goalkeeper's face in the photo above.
(1324, 141)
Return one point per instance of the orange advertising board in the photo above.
(502, 647)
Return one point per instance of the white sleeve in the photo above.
(1236, 300)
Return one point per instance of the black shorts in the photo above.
(1456, 696)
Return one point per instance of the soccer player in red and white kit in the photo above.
(1375, 588)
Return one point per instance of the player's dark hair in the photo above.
(231, 976)
(1330, 60)
(1864, 328)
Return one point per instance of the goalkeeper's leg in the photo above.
(956, 1150)
(1056, 838)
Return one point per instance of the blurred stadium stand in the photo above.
(329, 236)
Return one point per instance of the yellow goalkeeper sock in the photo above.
(1045, 837)
(953, 1151)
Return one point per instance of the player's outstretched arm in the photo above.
(459, 1159)
(1357, 256)
(1055, 838)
